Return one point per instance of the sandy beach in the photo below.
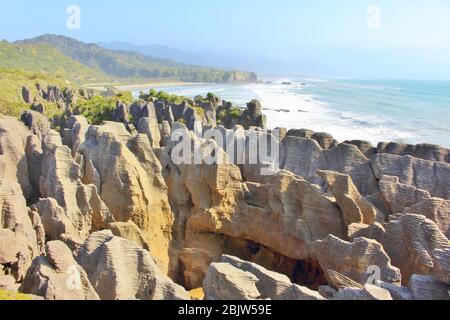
(155, 85)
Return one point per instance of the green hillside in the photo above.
(11, 83)
(45, 59)
(130, 65)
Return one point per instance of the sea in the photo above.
(377, 111)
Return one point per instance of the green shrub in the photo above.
(235, 113)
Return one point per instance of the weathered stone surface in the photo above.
(354, 207)
(79, 129)
(354, 260)
(433, 177)
(225, 282)
(365, 147)
(327, 292)
(428, 288)
(325, 140)
(441, 259)
(140, 110)
(339, 281)
(305, 158)
(397, 292)
(61, 180)
(150, 128)
(121, 270)
(36, 122)
(272, 285)
(131, 183)
(18, 239)
(399, 198)
(26, 95)
(435, 209)
(359, 230)
(369, 292)
(301, 133)
(13, 161)
(121, 113)
(8, 283)
(253, 116)
(283, 213)
(34, 153)
(421, 151)
(58, 276)
(38, 107)
(168, 115)
(130, 231)
(351, 290)
(54, 219)
(410, 241)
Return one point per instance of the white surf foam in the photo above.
(306, 111)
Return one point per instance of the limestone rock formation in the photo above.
(61, 180)
(433, 177)
(26, 95)
(428, 288)
(130, 231)
(54, 219)
(253, 116)
(18, 239)
(131, 183)
(139, 110)
(305, 157)
(441, 261)
(410, 241)
(283, 213)
(399, 196)
(351, 290)
(354, 207)
(325, 140)
(121, 270)
(355, 260)
(36, 122)
(234, 279)
(403, 198)
(368, 292)
(435, 209)
(13, 160)
(150, 128)
(272, 285)
(365, 147)
(57, 276)
(38, 107)
(421, 151)
(225, 282)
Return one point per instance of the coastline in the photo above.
(357, 203)
(144, 86)
(138, 86)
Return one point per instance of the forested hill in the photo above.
(125, 64)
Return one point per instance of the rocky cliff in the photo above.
(106, 212)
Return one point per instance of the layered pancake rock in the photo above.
(105, 212)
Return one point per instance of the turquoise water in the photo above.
(400, 111)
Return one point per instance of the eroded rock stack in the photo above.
(105, 212)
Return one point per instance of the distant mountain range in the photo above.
(257, 61)
(77, 61)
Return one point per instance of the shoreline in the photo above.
(144, 86)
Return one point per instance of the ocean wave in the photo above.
(321, 117)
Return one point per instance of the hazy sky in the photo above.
(346, 38)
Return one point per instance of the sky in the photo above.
(346, 38)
